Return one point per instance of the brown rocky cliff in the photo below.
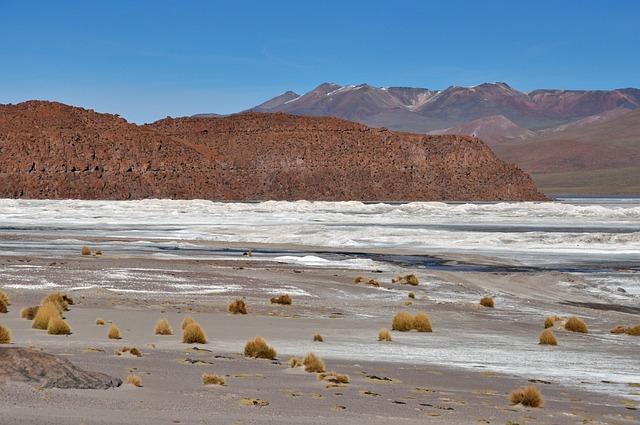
(50, 150)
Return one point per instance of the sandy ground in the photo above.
(459, 374)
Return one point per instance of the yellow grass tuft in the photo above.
(29, 312)
(527, 396)
(57, 326)
(402, 321)
(318, 338)
(45, 313)
(336, 378)
(294, 362)
(633, 330)
(412, 295)
(237, 306)
(407, 279)
(259, 349)
(3, 307)
(85, 250)
(619, 330)
(187, 321)
(58, 299)
(549, 321)
(134, 380)
(5, 335)
(487, 302)
(574, 324)
(131, 350)
(163, 327)
(384, 335)
(211, 379)
(114, 332)
(193, 334)
(100, 322)
(282, 299)
(4, 298)
(366, 281)
(313, 363)
(548, 338)
(421, 323)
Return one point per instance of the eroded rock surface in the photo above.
(50, 150)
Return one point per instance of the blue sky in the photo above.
(149, 59)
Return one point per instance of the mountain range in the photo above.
(580, 125)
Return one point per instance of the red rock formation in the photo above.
(50, 150)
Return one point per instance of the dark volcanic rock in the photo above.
(48, 371)
(50, 150)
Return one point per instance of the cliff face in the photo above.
(50, 150)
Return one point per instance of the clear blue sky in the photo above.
(149, 59)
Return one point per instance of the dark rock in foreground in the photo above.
(48, 371)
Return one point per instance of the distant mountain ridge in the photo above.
(423, 110)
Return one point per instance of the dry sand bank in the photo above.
(460, 373)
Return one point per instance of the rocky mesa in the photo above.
(53, 151)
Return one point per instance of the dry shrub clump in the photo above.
(61, 301)
(29, 312)
(619, 330)
(134, 380)
(85, 250)
(163, 327)
(336, 378)
(3, 307)
(45, 313)
(114, 332)
(527, 396)
(282, 299)
(318, 338)
(384, 335)
(4, 299)
(412, 295)
(193, 334)
(549, 321)
(366, 281)
(575, 324)
(407, 279)
(548, 338)
(259, 349)
(421, 323)
(5, 335)
(100, 322)
(313, 363)
(211, 379)
(237, 306)
(294, 362)
(402, 321)
(487, 302)
(187, 321)
(134, 351)
(57, 326)
(633, 330)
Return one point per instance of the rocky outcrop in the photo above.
(48, 371)
(50, 150)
